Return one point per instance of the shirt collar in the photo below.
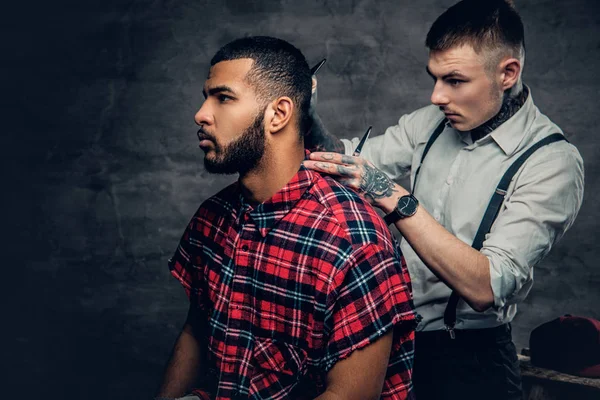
(267, 214)
(509, 136)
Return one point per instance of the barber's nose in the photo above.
(438, 96)
(204, 115)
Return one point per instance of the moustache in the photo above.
(446, 111)
(203, 135)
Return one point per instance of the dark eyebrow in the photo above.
(217, 89)
(453, 74)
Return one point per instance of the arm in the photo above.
(538, 212)
(370, 324)
(455, 262)
(465, 269)
(186, 360)
(361, 375)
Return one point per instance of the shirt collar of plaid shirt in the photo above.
(267, 214)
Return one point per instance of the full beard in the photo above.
(241, 155)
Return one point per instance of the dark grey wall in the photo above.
(101, 169)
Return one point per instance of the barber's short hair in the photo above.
(279, 69)
(492, 25)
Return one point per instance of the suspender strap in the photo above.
(432, 138)
(492, 210)
(490, 215)
(498, 197)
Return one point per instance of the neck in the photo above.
(277, 167)
(512, 102)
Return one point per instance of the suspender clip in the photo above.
(501, 192)
(450, 330)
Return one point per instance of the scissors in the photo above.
(362, 142)
(317, 67)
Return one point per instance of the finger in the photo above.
(320, 166)
(336, 158)
(347, 171)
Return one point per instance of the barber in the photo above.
(482, 120)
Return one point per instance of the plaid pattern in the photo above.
(294, 285)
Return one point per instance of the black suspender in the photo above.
(438, 131)
(498, 197)
(492, 210)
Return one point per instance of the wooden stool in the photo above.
(547, 384)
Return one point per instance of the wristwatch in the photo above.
(406, 207)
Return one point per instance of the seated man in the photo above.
(297, 289)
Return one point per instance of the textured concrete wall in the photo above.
(101, 168)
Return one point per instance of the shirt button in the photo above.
(245, 247)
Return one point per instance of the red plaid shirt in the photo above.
(294, 285)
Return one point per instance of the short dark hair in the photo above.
(279, 69)
(483, 24)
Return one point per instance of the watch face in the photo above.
(407, 206)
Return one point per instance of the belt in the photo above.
(465, 336)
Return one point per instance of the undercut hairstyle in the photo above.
(279, 69)
(492, 27)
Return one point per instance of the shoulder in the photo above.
(422, 122)
(563, 153)
(553, 175)
(217, 206)
(356, 218)
(425, 115)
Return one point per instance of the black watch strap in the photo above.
(392, 217)
(401, 210)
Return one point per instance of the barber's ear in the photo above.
(279, 114)
(510, 70)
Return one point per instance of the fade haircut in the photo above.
(279, 69)
(492, 27)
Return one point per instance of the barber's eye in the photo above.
(223, 98)
(455, 82)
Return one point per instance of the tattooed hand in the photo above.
(357, 173)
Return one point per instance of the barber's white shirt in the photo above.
(455, 184)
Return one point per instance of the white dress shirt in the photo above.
(455, 184)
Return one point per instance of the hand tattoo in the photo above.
(375, 184)
(346, 170)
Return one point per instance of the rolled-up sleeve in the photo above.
(543, 203)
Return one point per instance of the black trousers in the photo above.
(479, 364)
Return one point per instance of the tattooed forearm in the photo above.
(375, 184)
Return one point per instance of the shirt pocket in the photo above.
(278, 367)
(279, 357)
